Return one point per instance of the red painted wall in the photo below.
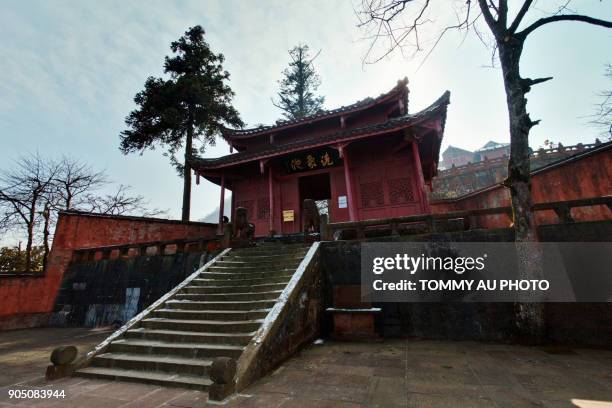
(587, 177)
(251, 192)
(383, 182)
(29, 295)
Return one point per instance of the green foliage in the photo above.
(195, 100)
(13, 260)
(297, 89)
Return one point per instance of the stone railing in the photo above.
(465, 219)
(293, 322)
(145, 249)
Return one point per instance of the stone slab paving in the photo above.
(398, 373)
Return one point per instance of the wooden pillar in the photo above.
(349, 186)
(233, 204)
(221, 203)
(420, 178)
(271, 196)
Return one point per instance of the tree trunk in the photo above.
(30, 227)
(68, 199)
(47, 218)
(529, 313)
(187, 173)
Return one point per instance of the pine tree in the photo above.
(194, 104)
(296, 97)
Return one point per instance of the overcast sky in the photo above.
(69, 71)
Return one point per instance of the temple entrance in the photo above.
(318, 188)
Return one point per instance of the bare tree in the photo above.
(121, 202)
(74, 181)
(36, 189)
(399, 23)
(22, 192)
(602, 118)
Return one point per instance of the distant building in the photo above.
(455, 156)
(491, 150)
(490, 166)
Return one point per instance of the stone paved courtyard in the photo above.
(398, 373)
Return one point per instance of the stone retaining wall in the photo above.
(567, 323)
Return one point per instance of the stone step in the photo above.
(140, 362)
(273, 248)
(249, 254)
(201, 326)
(229, 274)
(208, 305)
(177, 336)
(242, 282)
(204, 287)
(232, 257)
(189, 350)
(157, 378)
(280, 262)
(195, 293)
(222, 315)
(245, 270)
(215, 315)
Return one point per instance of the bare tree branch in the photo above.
(602, 117)
(491, 22)
(74, 179)
(519, 17)
(502, 16)
(381, 14)
(121, 202)
(380, 17)
(564, 17)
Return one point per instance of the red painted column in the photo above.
(271, 196)
(420, 178)
(233, 206)
(221, 203)
(349, 187)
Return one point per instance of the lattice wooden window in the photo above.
(263, 208)
(400, 190)
(372, 194)
(250, 207)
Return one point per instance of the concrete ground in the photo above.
(398, 373)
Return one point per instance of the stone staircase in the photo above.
(214, 315)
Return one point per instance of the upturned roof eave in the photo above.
(398, 91)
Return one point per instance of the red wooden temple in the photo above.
(371, 159)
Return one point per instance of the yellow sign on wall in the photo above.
(288, 215)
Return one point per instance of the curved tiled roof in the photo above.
(398, 89)
(438, 107)
(452, 148)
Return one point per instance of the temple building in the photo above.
(371, 159)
